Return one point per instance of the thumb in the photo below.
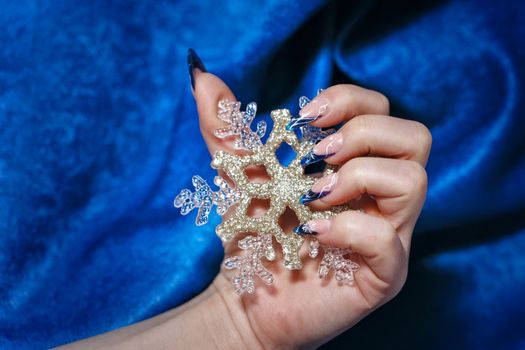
(208, 90)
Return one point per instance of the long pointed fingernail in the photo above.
(330, 145)
(194, 62)
(315, 109)
(312, 158)
(304, 229)
(320, 189)
(313, 227)
(311, 196)
(324, 149)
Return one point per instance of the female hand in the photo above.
(381, 161)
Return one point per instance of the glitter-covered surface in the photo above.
(284, 189)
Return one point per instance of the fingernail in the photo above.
(317, 108)
(320, 189)
(324, 149)
(304, 229)
(330, 145)
(312, 158)
(194, 62)
(311, 196)
(313, 227)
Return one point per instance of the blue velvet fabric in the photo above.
(99, 132)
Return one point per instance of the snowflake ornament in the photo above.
(204, 198)
(240, 124)
(250, 263)
(283, 189)
(334, 259)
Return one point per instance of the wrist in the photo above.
(225, 319)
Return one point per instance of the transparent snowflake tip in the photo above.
(239, 124)
(303, 101)
(204, 198)
(313, 250)
(249, 263)
(344, 268)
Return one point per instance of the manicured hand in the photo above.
(381, 161)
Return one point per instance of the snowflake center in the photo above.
(286, 187)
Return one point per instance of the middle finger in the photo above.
(377, 135)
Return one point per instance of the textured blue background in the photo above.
(99, 131)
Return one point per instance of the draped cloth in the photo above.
(99, 132)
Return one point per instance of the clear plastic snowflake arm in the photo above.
(204, 198)
(239, 124)
(250, 264)
(228, 110)
(334, 259)
(303, 101)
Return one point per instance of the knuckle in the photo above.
(343, 223)
(424, 137)
(353, 92)
(358, 124)
(383, 103)
(389, 235)
(347, 88)
(417, 178)
(344, 90)
(393, 286)
(356, 129)
(385, 238)
(338, 221)
(352, 170)
(397, 284)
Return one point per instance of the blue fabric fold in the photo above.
(99, 131)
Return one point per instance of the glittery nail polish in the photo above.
(194, 62)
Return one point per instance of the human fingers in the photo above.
(397, 186)
(373, 238)
(339, 103)
(377, 135)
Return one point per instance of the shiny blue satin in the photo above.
(99, 132)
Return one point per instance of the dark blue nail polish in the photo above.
(311, 196)
(299, 121)
(304, 229)
(194, 62)
(314, 168)
(311, 158)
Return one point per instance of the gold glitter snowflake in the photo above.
(283, 189)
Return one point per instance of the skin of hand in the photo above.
(382, 161)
